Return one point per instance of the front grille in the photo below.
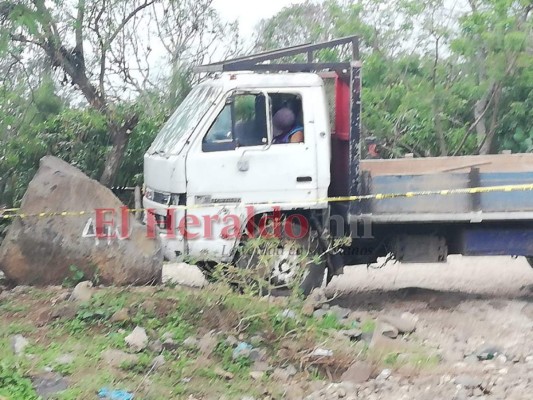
(162, 198)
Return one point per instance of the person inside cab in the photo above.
(286, 129)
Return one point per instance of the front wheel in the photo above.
(285, 262)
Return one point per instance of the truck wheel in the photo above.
(285, 262)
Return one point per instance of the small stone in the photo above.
(65, 359)
(116, 358)
(290, 370)
(471, 359)
(207, 344)
(223, 374)
(155, 346)
(280, 375)
(467, 381)
(260, 366)
(257, 355)
(352, 334)
(18, 344)
(82, 292)
(384, 375)
(321, 353)
(404, 324)
(290, 314)
(49, 384)
(167, 335)
(191, 343)
(256, 340)
(339, 312)
(257, 375)
(148, 306)
(387, 330)
(137, 340)
(358, 372)
(122, 315)
(319, 314)
(501, 359)
(158, 362)
(170, 345)
(232, 341)
(64, 312)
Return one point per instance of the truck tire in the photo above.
(294, 262)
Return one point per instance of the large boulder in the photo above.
(40, 250)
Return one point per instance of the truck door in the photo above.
(236, 163)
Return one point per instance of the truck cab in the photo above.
(217, 157)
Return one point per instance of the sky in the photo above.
(250, 12)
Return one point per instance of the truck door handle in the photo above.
(304, 179)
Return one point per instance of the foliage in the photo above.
(14, 385)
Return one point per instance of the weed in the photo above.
(76, 276)
(13, 385)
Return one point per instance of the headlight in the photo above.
(149, 194)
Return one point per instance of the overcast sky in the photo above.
(250, 12)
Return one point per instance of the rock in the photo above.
(404, 324)
(155, 346)
(49, 384)
(116, 358)
(467, 381)
(359, 372)
(65, 359)
(315, 300)
(384, 375)
(122, 315)
(232, 341)
(387, 330)
(170, 345)
(321, 353)
(256, 340)
(288, 314)
(260, 366)
(257, 375)
(183, 274)
(257, 355)
(280, 375)
(290, 370)
(223, 374)
(137, 340)
(339, 312)
(64, 312)
(18, 344)
(319, 314)
(158, 362)
(190, 343)
(352, 334)
(40, 251)
(207, 344)
(82, 292)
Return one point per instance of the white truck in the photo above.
(216, 166)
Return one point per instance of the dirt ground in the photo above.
(469, 308)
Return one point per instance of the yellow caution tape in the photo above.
(11, 213)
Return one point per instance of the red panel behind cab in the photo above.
(340, 144)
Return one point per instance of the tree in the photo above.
(104, 50)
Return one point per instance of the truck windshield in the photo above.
(185, 119)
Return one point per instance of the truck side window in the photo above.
(287, 118)
(241, 123)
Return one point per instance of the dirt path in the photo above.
(466, 307)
